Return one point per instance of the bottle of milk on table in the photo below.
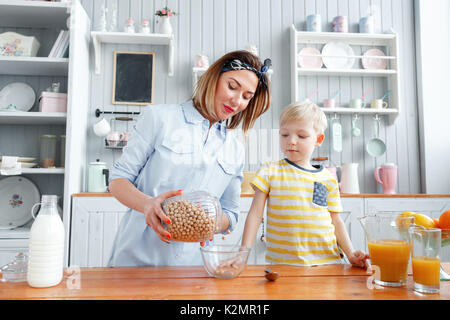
(46, 247)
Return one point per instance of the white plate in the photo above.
(26, 164)
(374, 63)
(336, 50)
(17, 195)
(306, 61)
(19, 94)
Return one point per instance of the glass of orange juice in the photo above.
(389, 245)
(426, 262)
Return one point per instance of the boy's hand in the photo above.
(359, 259)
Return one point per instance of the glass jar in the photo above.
(16, 270)
(194, 216)
(48, 151)
(63, 151)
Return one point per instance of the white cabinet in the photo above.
(301, 39)
(95, 221)
(20, 132)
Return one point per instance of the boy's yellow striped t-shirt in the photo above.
(299, 229)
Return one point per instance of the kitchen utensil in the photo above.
(356, 104)
(102, 128)
(376, 147)
(17, 196)
(386, 94)
(313, 94)
(271, 275)
(314, 23)
(389, 246)
(367, 24)
(197, 208)
(378, 104)
(374, 63)
(356, 132)
(340, 24)
(337, 136)
(98, 177)
(305, 60)
(386, 175)
(48, 151)
(426, 258)
(349, 178)
(338, 55)
(329, 103)
(366, 93)
(18, 94)
(224, 261)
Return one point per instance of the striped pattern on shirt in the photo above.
(299, 227)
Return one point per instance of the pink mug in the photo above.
(113, 138)
(125, 137)
(329, 103)
(386, 175)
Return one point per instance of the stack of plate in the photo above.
(26, 162)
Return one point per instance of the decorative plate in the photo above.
(306, 61)
(374, 63)
(339, 55)
(25, 164)
(17, 196)
(19, 94)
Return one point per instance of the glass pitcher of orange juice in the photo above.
(389, 246)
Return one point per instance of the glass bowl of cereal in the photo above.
(194, 216)
(224, 261)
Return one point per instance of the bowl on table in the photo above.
(224, 261)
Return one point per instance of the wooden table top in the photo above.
(332, 282)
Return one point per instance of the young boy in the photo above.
(303, 223)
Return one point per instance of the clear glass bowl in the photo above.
(224, 261)
(194, 216)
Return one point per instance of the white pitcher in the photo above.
(349, 178)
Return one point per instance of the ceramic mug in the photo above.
(313, 23)
(113, 138)
(367, 25)
(340, 24)
(102, 128)
(378, 104)
(356, 103)
(329, 103)
(125, 137)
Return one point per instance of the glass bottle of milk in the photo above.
(46, 247)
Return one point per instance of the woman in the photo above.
(188, 146)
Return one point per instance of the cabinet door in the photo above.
(353, 209)
(94, 225)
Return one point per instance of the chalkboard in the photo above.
(133, 78)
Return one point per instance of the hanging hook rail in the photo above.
(98, 112)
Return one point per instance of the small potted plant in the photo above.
(165, 13)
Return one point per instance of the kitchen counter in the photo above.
(343, 195)
(332, 282)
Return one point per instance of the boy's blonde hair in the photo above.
(305, 110)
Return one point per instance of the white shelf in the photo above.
(350, 38)
(359, 111)
(43, 171)
(34, 14)
(392, 75)
(345, 72)
(131, 38)
(33, 118)
(34, 66)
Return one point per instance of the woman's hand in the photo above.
(359, 259)
(154, 214)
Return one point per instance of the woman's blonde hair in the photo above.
(206, 89)
(305, 110)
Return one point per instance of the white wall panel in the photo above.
(214, 27)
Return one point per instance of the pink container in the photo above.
(53, 102)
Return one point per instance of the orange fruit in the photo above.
(436, 223)
(444, 220)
